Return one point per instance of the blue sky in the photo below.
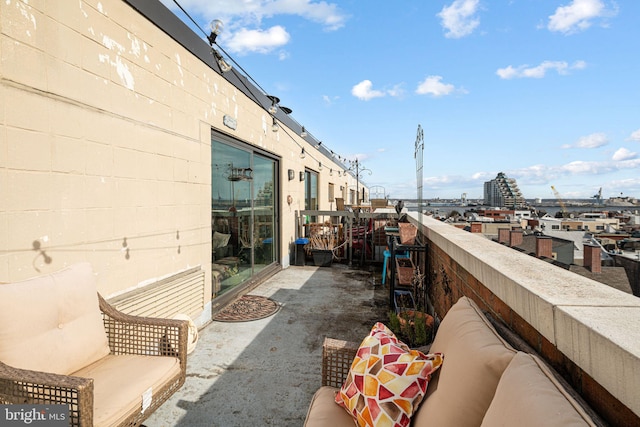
(546, 91)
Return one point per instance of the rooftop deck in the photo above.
(265, 372)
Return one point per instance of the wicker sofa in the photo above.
(62, 343)
(483, 381)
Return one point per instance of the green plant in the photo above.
(394, 322)
(414, 327)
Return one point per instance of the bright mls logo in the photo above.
(34, 415)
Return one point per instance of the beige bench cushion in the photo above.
(528, 395)
(52, 323)
(475, 358)
(325, 412)
(120, 381)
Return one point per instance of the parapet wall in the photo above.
(587, 331)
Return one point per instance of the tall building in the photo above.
(503, 192)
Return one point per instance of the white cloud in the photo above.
(578, 16)
(459, 19)
(327, 14)
(594, 140)
(623, 154)
(236, 14)
(328, 101)
(539, 71)
(635, 136)
(242, 20)
(257, 40)
(364, 91)
(433, 86)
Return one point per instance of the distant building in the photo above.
(503, 192)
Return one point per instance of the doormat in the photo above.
(247, 308)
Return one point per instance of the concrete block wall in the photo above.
(105, 145)
(584, 329)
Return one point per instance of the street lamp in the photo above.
(355, 165)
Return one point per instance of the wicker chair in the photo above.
(126, 335)
(337, 356)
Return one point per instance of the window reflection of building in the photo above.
(242, 213)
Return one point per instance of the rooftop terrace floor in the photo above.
(265, 372)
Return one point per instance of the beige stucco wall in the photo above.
(105, 146)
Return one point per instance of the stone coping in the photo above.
(594, 325)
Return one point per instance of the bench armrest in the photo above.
(150, 336)
(23, 386)
(337, 356)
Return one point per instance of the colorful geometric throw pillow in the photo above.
(387, 380)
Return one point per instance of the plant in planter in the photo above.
(415, 327)
(322, 244)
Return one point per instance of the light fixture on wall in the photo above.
(224, 65)
(302, 154)
(303, 133)
(318, 144)
(319, 166)
(216, 28)
(330, 172)
(274, 126)
(274, 102)
(291, 173)
(301, 176)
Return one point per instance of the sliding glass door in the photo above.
(243, 213)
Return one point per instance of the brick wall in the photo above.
(449, 280)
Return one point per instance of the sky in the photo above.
(545, 91)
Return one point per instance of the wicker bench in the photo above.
(483, 380)
(110, 368)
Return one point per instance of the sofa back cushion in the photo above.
(475, 358)
(52, 323)
(528, 395)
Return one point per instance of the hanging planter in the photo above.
(404, 270)
(408, 233)
(403, 301)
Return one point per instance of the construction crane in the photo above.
(598, 197)
(565, 214)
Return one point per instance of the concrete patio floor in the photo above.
(265, 372)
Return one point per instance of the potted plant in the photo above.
(322, 244)
(415, 327)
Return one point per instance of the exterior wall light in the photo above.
(303, 133)
(216, 28)
(274, 126)
(274, 102)
(302, 154)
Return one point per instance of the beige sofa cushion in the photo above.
(475, 358)
(528, 395)
(121, 383)
(52, 323)
(325, 412)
